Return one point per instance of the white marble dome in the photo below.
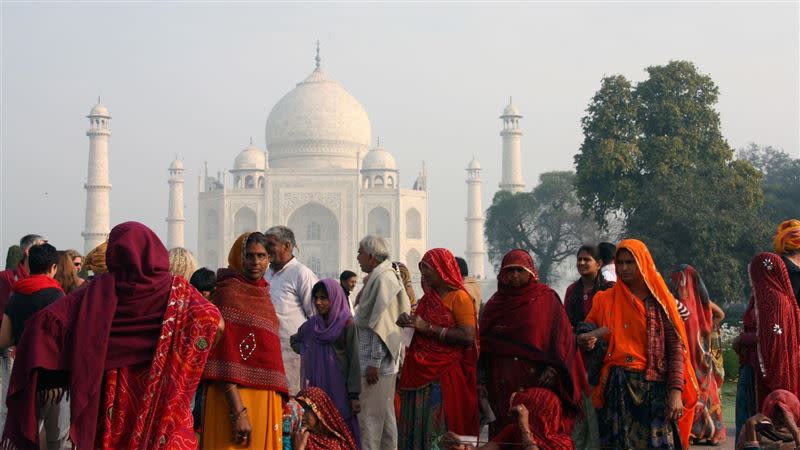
(474, 164)
(176, 165)
(318, 124)
(379, 159)
(511, 110)
(99, 110)
(251, 158)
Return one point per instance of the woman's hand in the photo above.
(242, 430)
(674, 405)
(587, 341)
(521, 412)
(451, 441)
(300, 439)
(420, 324)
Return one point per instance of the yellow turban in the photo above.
(787, 238)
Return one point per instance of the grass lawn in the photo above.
(729, 404)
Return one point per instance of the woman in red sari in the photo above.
(129, 348)
(323, 425)
(691, 292)
(527, 341)
(777, 327)
(438, 381)
(244, 401)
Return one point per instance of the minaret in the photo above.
(512, 150)
(175, 218)
(98, 188)
(476, 251)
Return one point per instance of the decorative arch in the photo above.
(413, 224)
(244, 220)
(249, 182)
(261, 182)
(237, 181)
(379, 222)
(378, 181)
(317, 230)
(390, 182)
(367, 183)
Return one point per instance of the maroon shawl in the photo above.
(530, 322)
(7, 279)
(778, 326)
(249, 352)
(113, 322)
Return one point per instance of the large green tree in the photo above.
(655, 153)
(547, 222)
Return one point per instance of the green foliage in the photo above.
(655, 152)
(781, 182)
(547, 222)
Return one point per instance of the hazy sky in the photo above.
(197, 80)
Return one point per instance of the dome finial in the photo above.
(251, 140)
(317, 58)
(379, 141)
(98, 99)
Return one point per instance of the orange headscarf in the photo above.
(612, 308)
(787, 238)
(236, 255)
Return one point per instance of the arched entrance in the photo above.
(317, 232)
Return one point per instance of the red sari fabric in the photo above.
(544, 415)
(147, 405)
(337, 435)
(691, 292)
(517, 342)
(453, 366)
(784, 400)
(7, 279)
(249, 352)
(778, 326)
(113, 322)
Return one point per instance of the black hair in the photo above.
(346, 275)
(41, 258)
(607, 252)
(462, 266)
(319, 287)
(204, 279)
(256, 237)
(592, 250)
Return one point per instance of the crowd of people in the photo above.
(133, 346)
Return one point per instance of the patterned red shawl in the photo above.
(785, 400)
(338, 434)
(530, 322)
(691, 291)
(453, 366)
(114, 322)
(778, 319)
(249, 352)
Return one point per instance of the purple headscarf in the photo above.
(317, 356)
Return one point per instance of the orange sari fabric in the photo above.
(617, 309)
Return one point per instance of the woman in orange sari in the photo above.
(647, 390)
(244, 401)
(438, 382)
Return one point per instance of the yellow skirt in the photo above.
(264, 409)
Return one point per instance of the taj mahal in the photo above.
(320, 175)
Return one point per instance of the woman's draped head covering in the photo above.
(320, 404)
(785, 400)
(114, 322)
(692, 293)
(787, 237)
(777, 322)
(236, 253)
(511, 326)
(442, 261)
(338, 315)
(95, 260)
(544, 418)
(517, 258)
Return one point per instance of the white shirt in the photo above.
(290, 289)
(609, 273)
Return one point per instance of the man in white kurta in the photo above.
(290, 288)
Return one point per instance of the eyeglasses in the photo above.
(77, 264)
